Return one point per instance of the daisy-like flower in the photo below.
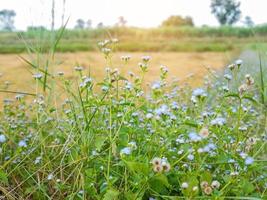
(157, 168)
(208, 190)
(184, 185)
(22, 143)
(239, 62)
(166, 166)
(204, 132)
(243, 88)
(215, 184)
(249, 80)
(146, 58)
(204, 184)
(156, 161)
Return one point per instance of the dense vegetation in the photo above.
(137, 39)
(169, 142)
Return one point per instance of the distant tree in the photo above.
(89, 24)
(80, 24)
(7, 19)
(248, 21)
(178, 21)
(227, 12)
(100, 25)
(121, 21)
(36, 28)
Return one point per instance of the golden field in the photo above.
(180, 65)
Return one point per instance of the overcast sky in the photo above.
(142, 13)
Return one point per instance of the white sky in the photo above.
(142, 13)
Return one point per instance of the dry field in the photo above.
(180, 65)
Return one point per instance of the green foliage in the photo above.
(177, 21)
(115, 139)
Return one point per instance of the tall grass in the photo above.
(115, 139)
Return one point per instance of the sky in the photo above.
(140, 13)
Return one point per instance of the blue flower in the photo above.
(249, 161)
(2, 138)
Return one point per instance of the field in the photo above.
(86, 128)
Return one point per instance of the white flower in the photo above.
(50, 177)
(156, 85)
(2, 138)
(239, 62)
(184, 185)
(149, 115)
(215, 184)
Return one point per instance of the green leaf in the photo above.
(138, 167)
(247, 186)
(99, 142)
(3, 177)
(111, 194)
(159, 183)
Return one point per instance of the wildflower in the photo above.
(164, 69)
(249, 80)
(204, 132)
(106, 51)
(2, 138)
(239, 63)
(156, 85)
(208, 190)
(228, 77)
(143, 66)
(204, 184)
(125, 58)
(249, 161)
(146, 58)
(157, 168)
(215, 184)
(219, 121)
(78, 68)
(194, 137)
(190, 157)
(37, 160)
(22, 143)
(126, 151)
(60, 73)
(184, 185)
(50, 176)
(242, 88)
(37, 76)
(166, 166)
(156, 161)
(195, 188)
(149, 115)
(199, 92)
(231, 66)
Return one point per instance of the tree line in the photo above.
(227, 12)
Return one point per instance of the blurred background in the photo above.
(187, 36)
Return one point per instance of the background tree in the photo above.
(89, 24)
(248, 21)
(7, 19)
(178, 21)
(227, 12)
(80, 24)
(100, 25)
(121, 21)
